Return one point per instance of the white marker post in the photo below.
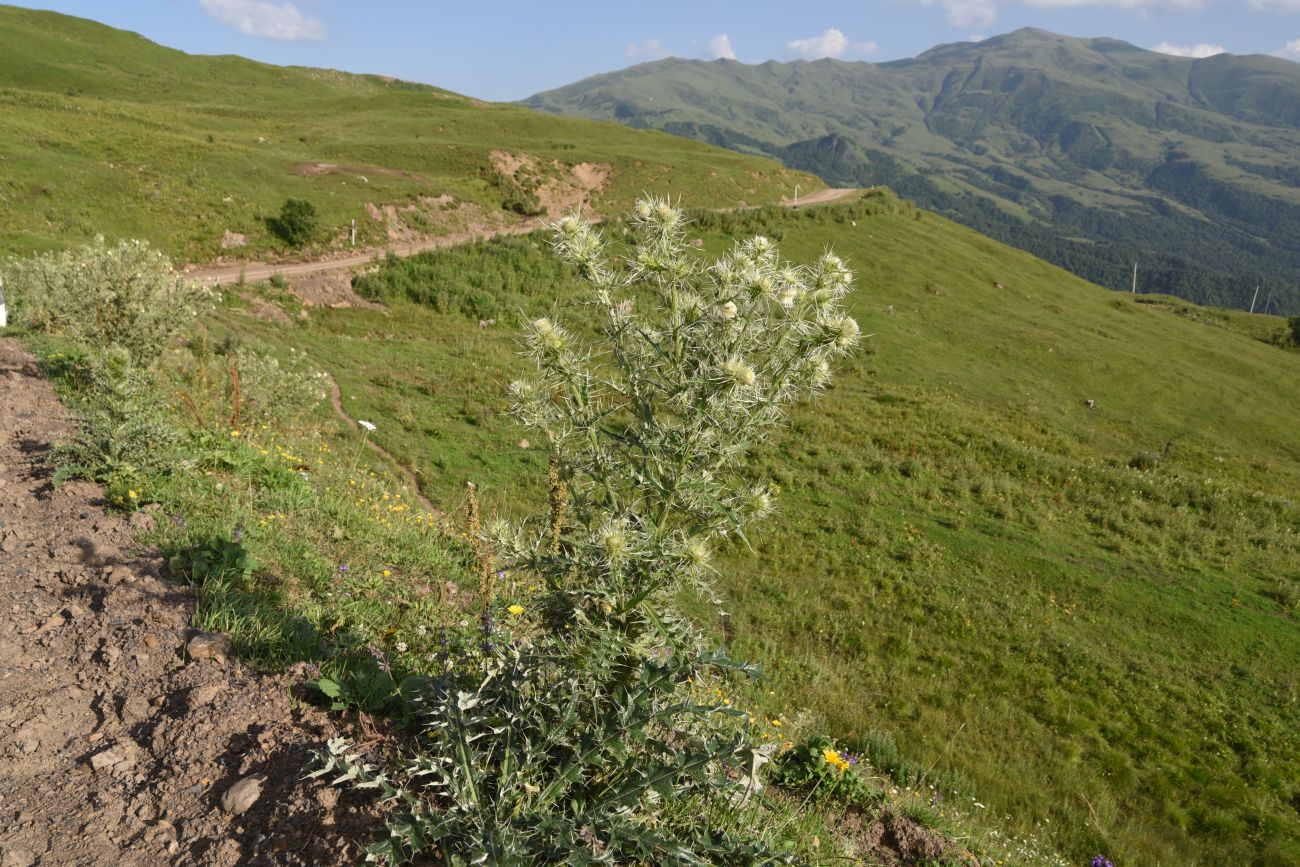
(4, 314)
(354, 233)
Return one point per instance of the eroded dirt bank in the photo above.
(117, 747)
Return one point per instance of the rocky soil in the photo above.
(122, 739)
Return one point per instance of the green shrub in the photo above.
(297, 223)
(125, 295)
(125, 437)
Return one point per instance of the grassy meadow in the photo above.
(104, 132)
(1081, 617)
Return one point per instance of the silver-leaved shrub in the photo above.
(594, 738)
(125, 294)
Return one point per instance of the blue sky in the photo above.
(504, 50)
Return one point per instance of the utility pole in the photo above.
(1268, 302)
(1254, 299)
(1135, 278)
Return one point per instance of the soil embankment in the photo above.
(116, 746)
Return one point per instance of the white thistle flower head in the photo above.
(738, 371)
(786, 297)
(759, 502)
(571, 225)
(729, 310)
(548, 334)
(846, 332)
(643, 208)
(615, 541)
(762, 285)
(365, 424)
(698, 553)
(820, 373)
(760, 244)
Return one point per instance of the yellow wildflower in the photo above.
(133, 495)
(516, 609)
(234, 433)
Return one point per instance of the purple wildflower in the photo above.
(343, 567)
(380, 659)
(1100, 861)
(239, 532)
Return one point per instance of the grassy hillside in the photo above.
(1092, 153)
(102, 131)
(1089, 615)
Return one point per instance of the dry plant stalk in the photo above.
(234, 397)
(559, 505)
(482, 554)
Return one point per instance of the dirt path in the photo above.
(821, 197)
(224, 275)
(116, 747)
(336, 400)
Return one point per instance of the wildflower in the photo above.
(834, 759)
(401, 647)
(343, 567)
(133, 495)
(234, 433)
(387, 573)
(365, 424)
(729, 310)
(786, 297)
(516, 609)
(1100, 861)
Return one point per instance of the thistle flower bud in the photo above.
(615, 541)
(698, 553)
(840, 331)
(786, 297)
(759, 502)
(729, 310)
(738, 372)
(548, 334)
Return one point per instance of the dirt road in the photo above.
(116, 744)
(224, 275)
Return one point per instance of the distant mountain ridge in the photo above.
(1092, 153)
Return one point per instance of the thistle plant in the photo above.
(698, 363)
(126, 294)
(591, 736)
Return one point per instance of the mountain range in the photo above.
(1092, 153)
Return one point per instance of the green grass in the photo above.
(964, 557)
(103, 132)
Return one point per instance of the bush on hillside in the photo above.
(125, 295)
(594, 730)
(297, 223)
(1294, 322)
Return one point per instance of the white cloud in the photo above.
(1291, 51)
(831, 43)
(265, 18)
(1287, 6)
(645, 50)
(978, 14)
(966, 14)
(1200, 49)
(720, 47)
(1127, 5)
